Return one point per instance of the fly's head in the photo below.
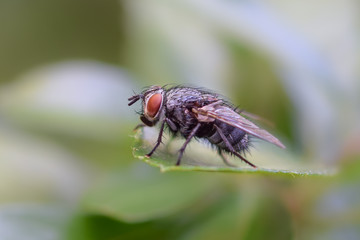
(152, 104)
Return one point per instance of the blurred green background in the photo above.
(68, 67)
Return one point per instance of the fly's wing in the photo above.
(227, 115)
(256, 118)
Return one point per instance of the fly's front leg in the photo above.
(171, 125)
(140, 125)
(158, 140)
(173, 128)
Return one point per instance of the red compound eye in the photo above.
(153, 105)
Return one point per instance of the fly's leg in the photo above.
(134, 99)
(182, 149)
(158, 140)
(172, 128)
(140, 125)
(232, 150)
(225, 160)
(171, 125)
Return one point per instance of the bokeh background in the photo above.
(66, 71)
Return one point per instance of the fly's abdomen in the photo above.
(238, 139)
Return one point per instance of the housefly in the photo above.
(195, 112)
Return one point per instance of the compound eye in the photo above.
(153, 105)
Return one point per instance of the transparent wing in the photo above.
(255, 117)
(227, 115)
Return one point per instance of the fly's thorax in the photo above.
(180, 103)
(180, 96)
(153, 102)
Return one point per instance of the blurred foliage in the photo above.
(43, 31)
(66, 164)
(258, 76)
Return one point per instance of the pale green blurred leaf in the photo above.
(74, 98)
(36, 169)
(33, 222)
(335, 213)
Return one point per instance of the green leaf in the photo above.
(141, 193)
(97, 227)
(245, 215)
(271, 220)
(199, 158)
(226, 219)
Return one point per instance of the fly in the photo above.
(194, 112)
